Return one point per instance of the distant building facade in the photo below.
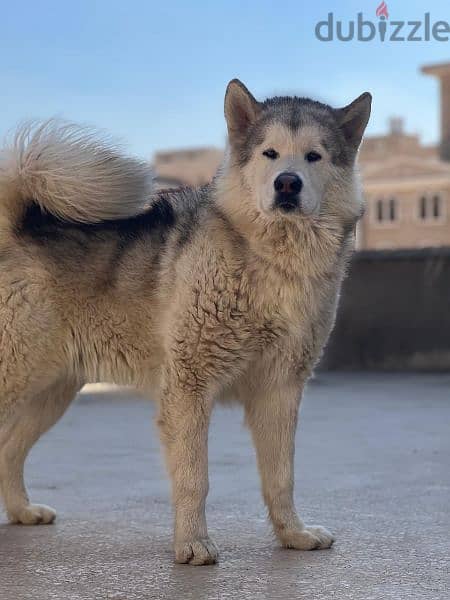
(406, 184)
(407, 193)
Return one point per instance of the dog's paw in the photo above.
(201, 551)
(309, 538)
(33, 514)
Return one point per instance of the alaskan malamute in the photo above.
(193, 296)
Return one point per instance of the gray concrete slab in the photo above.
(372, 465)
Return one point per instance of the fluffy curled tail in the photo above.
(71, 172)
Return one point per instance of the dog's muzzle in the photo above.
(287, 191)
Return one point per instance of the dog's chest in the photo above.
(296, 319)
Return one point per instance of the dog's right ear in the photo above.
(241, 109)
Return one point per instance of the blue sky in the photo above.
(154, 73)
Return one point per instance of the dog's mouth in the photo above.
(287, 203)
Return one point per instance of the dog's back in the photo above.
(84, 247)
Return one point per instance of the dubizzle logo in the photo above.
(383, 30)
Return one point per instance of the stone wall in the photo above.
(394, 313)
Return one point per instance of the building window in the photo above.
(392, 209)
(431, 207)
(423, 208)
(386, 210)
(379, 210)
(437, 208)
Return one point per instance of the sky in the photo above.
(155, 73)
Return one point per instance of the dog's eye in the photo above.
(271, 153)
(313, 156)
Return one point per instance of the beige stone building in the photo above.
(406, 184)
(407, 192)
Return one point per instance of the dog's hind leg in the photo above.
(30, 420)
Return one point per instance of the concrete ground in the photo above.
(372, 465)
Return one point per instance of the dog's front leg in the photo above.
(183, 420)
(272, 418)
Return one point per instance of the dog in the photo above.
(226, 292)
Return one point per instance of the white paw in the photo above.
(33, 514)
(309, 538)
(201, 551)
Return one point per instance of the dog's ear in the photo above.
(353, 119)
(241, 109)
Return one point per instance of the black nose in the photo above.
(288, 183)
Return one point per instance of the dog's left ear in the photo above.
(353, 119)
(241, 109)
